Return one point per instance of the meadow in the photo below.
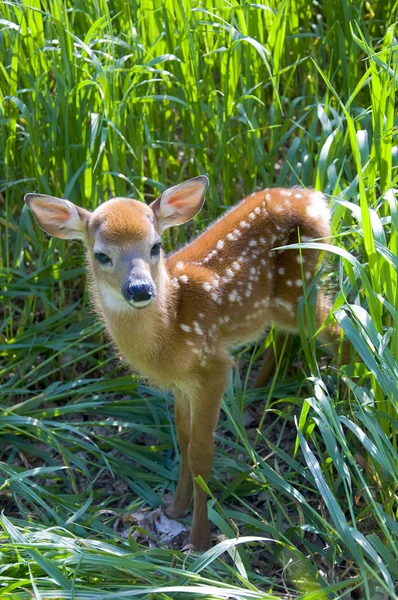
(124, 98)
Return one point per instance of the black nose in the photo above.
(139, 291)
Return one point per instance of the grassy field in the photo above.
(125, 98)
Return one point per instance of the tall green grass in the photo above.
(124, 98)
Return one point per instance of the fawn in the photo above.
(174, 318)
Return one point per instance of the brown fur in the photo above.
(220, 290)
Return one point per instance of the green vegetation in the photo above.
(126, 98)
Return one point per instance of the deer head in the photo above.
(122, 237)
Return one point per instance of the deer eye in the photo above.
(102, 258)
(155, 250)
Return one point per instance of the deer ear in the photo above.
(180, 203)
(58, 217)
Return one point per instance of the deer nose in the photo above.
(138, 291)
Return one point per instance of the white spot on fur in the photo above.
(197, 328)
(257, 210)
(299, 283)
(207, 286)
(289, 282)
(281, 303)
(281, 270)
(183, 278)
(185, 328)
(268, 197)
(231, 237)
(318, 209)
(286, 193)
(179, 265)
(233, 296)
(244, 224)
(253, 243)
(220, 244)
(308, 275)
(236, 265)
(252, 216)
(300, 259)
(298, 195)
(229, 272)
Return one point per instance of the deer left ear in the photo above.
(58, 217)
(180, 203)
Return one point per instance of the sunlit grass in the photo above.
(101, 99)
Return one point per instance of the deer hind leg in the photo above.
(183, 495)
(330, 334)
(270, 360)
(298, 270)
(205, 409)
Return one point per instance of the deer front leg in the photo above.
(205, 409)
(183, 493)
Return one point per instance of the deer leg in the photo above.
(330, 335)
(183, 495)
(270, 360)
(205, 409)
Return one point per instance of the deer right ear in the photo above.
(60, 218)
(180, 203)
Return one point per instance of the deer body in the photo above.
(175, 319)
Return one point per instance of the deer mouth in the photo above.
(142, 303)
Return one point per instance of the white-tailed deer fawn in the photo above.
(174, 318)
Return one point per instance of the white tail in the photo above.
(174, 318)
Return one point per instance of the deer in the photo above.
(175, 319)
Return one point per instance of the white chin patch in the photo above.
(142, 304)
